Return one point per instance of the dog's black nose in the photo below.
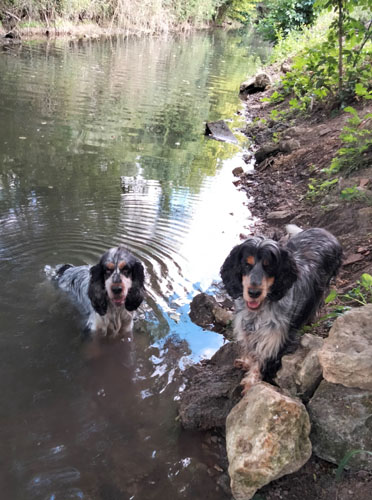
(116, 290)
(254, 293)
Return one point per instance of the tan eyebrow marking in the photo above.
(122, 264)
(251, 260)
(265, 262)
(110, 265)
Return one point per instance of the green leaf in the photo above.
(360, 89)
(350, 109)
(366, 280)
(345, 461)
(331, 296)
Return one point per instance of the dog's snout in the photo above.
(254, 293)
(117, 290)
(116, 278)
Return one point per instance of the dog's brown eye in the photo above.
(125, 271)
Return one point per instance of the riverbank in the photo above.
(73, 31)
(281, 192)
(291, 154)
(284, 184)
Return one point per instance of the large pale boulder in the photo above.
(267, 436)
(346, 356)
(341, 421)
(301, 373)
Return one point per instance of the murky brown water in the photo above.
(101, 144)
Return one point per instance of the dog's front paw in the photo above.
(252, 378)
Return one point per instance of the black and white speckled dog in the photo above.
(108, 292)
(277, 289)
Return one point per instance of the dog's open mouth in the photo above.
(118, 301)
(253, 304)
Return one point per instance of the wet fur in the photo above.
(298, 274)
(92, 287)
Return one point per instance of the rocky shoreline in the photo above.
(332, 392)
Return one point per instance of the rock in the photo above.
(247, 84)
(220, 131)
(267, 437)
(364, 217)
(352, 259)
(201, 309)
(341, 421)
(289, 145)
(206, 312)
(323, 130)
(269, 149)
(258, 83)
(238, 171)
(285, 67)
(293, 132)
(346, 356)
(212, 390)
(222, 316)
(301, 373)
(262, 81)
(281, 216)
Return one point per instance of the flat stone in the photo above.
(220, 131)
(268, 149)
(280, 216)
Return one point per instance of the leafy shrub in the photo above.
(338, 67)
(357, 140)
(284, 16)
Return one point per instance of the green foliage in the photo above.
(299, 39)
(238, 10)
(285, 15)
(350, 193)
(319, 187)
(361, 294)
(338, 67)
(149, 16)
(357, 140)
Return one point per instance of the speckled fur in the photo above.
(91, 286)
(302, 271)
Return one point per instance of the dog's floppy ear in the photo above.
(231, 272)
(285, 276)
(136, 291)
(96, 290)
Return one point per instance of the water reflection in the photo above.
(101, 144)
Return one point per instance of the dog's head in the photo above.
(257, 270)
(118, 278)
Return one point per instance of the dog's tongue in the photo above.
(118, 302)
(253, 304)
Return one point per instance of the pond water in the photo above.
(101, 144)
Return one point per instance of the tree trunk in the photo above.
(340, 48)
